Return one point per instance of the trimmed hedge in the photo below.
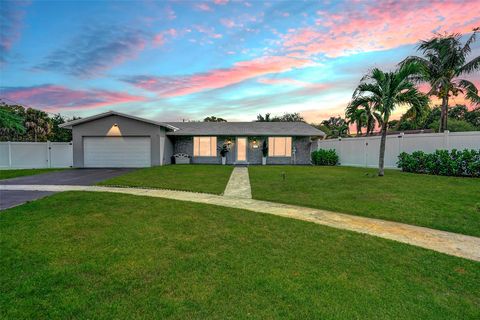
(464, 163)
(324, 157)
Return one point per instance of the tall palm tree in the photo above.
(365, 112)
(386, 91)
(444, 61)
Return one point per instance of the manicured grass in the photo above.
(14, 173)
(109, 256)
(198, 178)
(445, 203)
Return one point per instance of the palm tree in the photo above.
(443, 63)
(386, 91)
(337, 126)
(37, 124)
(363, 114)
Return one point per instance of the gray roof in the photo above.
(244, 129)
(70, 124)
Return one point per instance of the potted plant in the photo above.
(264, 152)
(224, 149)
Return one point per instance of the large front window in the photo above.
(280, 146)
(204, 146)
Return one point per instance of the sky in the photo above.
(185, 60)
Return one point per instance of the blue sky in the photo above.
(174, 60)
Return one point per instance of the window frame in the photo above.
(197, 150)
(271, 147)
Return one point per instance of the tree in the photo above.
(214, 119)
(38, 125)
(289, 117)
(443, 63)
(11, 124)
(286, 117)
(386, 91)
(261, 118)
(336, 126)
(58, 134)
(363, 114)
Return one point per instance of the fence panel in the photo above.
(29, 155)
(4, 154)
(61, 155)
(364, 151)
(25, 155)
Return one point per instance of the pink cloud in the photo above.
(387, 25)
(219, 78)
(229, 23)
(220, 2)
(56, 98)
(203, 6)
(289, 81)
(159, 39)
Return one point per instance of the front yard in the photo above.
(96, 255)
(445, 203)
(197, 178)
(15, 173)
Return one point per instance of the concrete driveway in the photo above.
(80, 177)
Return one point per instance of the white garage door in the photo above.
(109, 152)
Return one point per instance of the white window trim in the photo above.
(271, 147)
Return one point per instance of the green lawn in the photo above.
(445, 203)
(14, 173)
(198, 178)
(109, 256)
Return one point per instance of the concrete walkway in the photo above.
(238, 185)
(446, 242)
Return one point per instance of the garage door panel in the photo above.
(116, 151)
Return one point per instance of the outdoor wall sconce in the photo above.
(255, 144)
(229, 141)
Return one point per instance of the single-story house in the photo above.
(114, 139)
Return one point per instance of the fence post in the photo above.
(365, 152)
(49, 156)
(400, 142)
(446, 140)
(340, 149)
(9, 154)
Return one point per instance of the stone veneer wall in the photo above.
(254, 155)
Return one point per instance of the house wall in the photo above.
(126, 127)
(184, 144)
(168, 150)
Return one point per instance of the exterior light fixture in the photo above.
(229, 141)
(255, 144)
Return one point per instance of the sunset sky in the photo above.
(174, 60)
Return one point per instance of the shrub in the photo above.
(442, 162)
(324, 157)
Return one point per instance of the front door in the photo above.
(241, 149)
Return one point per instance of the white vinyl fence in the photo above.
(364, 151)
(36, 155)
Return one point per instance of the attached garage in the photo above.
(117, 140)
(116, 152)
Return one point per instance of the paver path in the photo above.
(238, 185)
(441, 241)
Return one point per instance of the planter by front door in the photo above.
(241, 149)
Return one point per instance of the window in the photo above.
(280, 146)
(204, 146)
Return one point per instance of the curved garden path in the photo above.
(446, 242)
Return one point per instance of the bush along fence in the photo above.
(464, 163)
(324, 157)
(363, 151)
